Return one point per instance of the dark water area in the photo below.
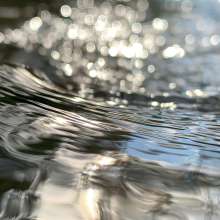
(109, 110)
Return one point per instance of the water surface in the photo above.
(110, 110)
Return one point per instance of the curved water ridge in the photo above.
(117, 116)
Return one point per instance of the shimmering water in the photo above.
(109, 110)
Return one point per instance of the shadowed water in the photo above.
(110, 110)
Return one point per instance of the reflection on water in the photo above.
(117, 115)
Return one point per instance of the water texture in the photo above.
(109, 110)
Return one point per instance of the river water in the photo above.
(109, 110)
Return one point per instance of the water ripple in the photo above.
(117, 116)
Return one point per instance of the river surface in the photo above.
(110, 110)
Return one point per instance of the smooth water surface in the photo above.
(109, 110)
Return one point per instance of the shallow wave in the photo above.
(118, 116)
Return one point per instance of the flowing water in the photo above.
(110, 110)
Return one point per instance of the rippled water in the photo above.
(110, 110)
